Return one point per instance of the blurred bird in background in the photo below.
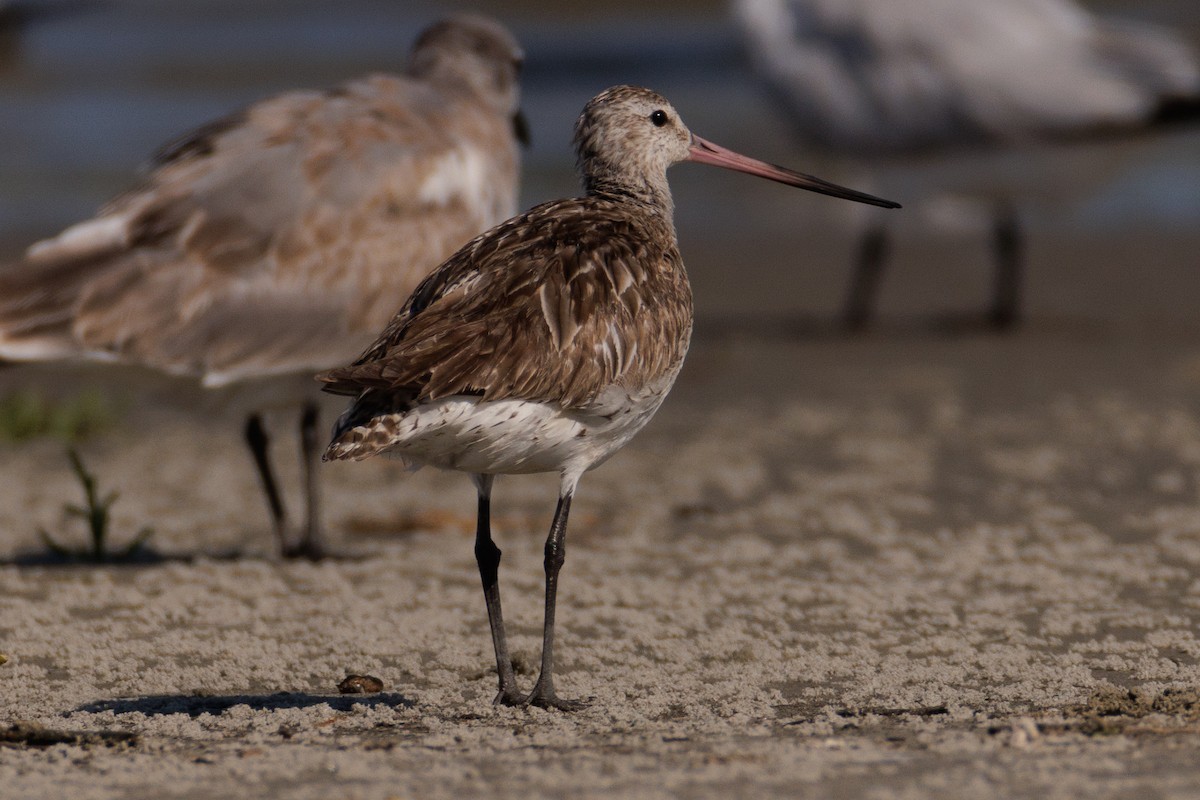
(276, 242)
(880, 81)
(16, 16)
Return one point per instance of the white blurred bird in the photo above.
(278, 241)
(871, 79)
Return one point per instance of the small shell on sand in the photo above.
(360, 684)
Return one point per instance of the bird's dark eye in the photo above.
(659, 118)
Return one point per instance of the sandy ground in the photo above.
(897, 566)
(921, 563)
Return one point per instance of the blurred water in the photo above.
(86, 95)
(89, 95)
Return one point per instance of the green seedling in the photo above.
(96, 514)
(27, 414)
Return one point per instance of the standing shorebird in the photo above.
(277, 242)
(891, 82)
(546, 343)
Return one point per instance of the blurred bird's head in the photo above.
(474, 51)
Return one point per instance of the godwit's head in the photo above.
(627, 137)
(474, 51)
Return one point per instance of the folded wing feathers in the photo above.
(541, 320)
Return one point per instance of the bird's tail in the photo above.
(40, 293)
(1177, 111)
(1159, 61)
(369, 426)
(36, 311)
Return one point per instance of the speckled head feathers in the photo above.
(629, 134)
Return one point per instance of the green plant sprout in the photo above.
(96, 514)
(27, 414)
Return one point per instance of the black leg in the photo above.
(310, 543)
(543, 694)
(487, 556)
(864, 284)
(1009, 248)
(256, 438)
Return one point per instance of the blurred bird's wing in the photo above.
(907, 74)
(327, 204)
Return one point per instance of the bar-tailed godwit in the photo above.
(278, 241)
(546, 343)
(869, 79)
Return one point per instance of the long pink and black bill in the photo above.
(705, 152)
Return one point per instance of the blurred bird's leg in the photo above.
(543, 694)
(256, 439)
(864, 283)
(310, 545)
(1010, 253)
(487, 556)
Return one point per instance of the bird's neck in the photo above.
(651, 190)
(468, 77)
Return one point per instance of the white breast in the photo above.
(462, 173)
(519, 436)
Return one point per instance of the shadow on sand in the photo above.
(195, 706)
(143, 556)
(148, 556)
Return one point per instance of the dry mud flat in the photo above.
(895, 567)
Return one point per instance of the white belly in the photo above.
(516, 436)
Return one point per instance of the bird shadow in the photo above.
(148, 556)
(143, 556)
(197, 705)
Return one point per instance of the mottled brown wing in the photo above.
(556, 305)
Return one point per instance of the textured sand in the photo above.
(900, 566)
(912, 565)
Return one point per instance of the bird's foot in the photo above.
(558, 703)
(1003, 319)
(545, 697)
(509, 697)
(309, 547)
